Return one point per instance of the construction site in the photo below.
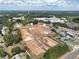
(37, 40)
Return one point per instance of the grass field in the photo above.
(76, 42)
(56, 52)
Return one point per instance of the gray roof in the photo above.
(17, 56)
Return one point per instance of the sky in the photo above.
(52, 5)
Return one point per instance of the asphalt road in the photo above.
(73, 54)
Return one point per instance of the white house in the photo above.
(16, 18)
(5, 30)
(23, 18)
(19, 18)
(17, 25)
(17, 56)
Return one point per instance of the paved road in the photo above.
(29, 54)
(73, 54)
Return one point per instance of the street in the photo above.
(73, 54)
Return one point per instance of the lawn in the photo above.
(56, 52)
(76, 42)
(16, 50)
(2, 53)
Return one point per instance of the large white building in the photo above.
(51, 19)
(18, 18)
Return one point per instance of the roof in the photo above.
(17, 56)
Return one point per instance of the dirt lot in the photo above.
(36, 39)
(25, 34)
(50, 42)
(34, 47)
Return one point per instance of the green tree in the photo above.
(29, 20)
(2, 53)
(17, 37)
(16, 50)
(76, 20)
(8, 39)
(56, 52)
(12, 38)
(5, 22)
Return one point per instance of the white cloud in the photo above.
(59, 3)
(31, 2)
